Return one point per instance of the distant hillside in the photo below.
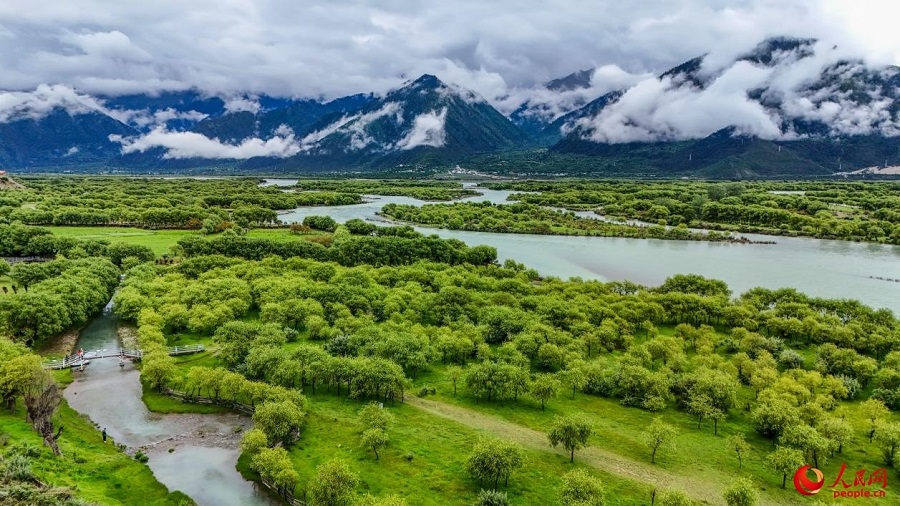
(845, 117)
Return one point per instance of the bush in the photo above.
(17, 467)
(492, 498)
(141, 457)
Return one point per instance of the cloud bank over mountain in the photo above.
(328, 49)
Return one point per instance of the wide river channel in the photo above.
(831, 269)
(197, 453)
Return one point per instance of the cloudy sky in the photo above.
(332, 48)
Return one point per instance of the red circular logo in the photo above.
(806, 486)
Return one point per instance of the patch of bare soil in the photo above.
(61, 344)
(128, 336)
(8, 183)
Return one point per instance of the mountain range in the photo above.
(789, 107)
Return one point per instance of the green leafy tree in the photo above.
(158, 369)
(572, 432)
(280, 421)
(253, 441)
(544, 387)
(659, 436)
(275, 464)
(674, 498)
(333, 484)
(786, 460)
(741, 492)
(581, 489)
(374, 439)
(739, 446)
(492, 460)
(887, 438)
(455, 373)
(875, 411)
(373, 416)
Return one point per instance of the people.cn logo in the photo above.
(806, 486)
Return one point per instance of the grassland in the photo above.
(158, 240)
(98, 472)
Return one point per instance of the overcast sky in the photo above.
(332, 48)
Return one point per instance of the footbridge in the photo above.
(81, 361)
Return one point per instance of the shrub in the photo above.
(492, 498)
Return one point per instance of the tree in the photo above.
(887, 438)
(572, 432)
(42, 396)
(275, 464)
(837, 431)
(659, 436)
(674, 498)
(581, 489)
(544, 387)
(493, 459)
(373, 416)
(455, 373)
(280, 421)
(374, 439)
(159, 369)
(333, 484)
(253, 441)
(874, 411)
(741, 492)
(4, 267)
(786, 460)
(738, 445)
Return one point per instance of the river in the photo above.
(193, 453)
(831, 269)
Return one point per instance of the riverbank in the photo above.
(96, 472)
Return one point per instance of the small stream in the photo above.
(193, 453)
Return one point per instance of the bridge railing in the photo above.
(76, 361)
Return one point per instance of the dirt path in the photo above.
(613, 463)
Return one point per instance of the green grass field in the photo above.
(98, 472)
(158, 240)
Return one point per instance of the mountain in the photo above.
(424, 119)
(788, 107)
(60, 139)
(301, 116)
(539, 116)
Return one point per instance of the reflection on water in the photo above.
(833, 269)
(202, 464)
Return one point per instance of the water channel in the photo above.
(193, 453)
(821, 268)
(204, 448)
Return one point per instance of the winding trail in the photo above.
(701, 490)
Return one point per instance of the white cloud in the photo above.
(16, 105)
(242, 104)
(194, 145)
(427, 130)
(669, 109)
(286, 48)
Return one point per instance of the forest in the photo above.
(857, 211)
(382, 366)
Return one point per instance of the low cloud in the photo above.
(788, 89)
(193, 145)
(427, 130)
(241, 104)
(37, 104)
